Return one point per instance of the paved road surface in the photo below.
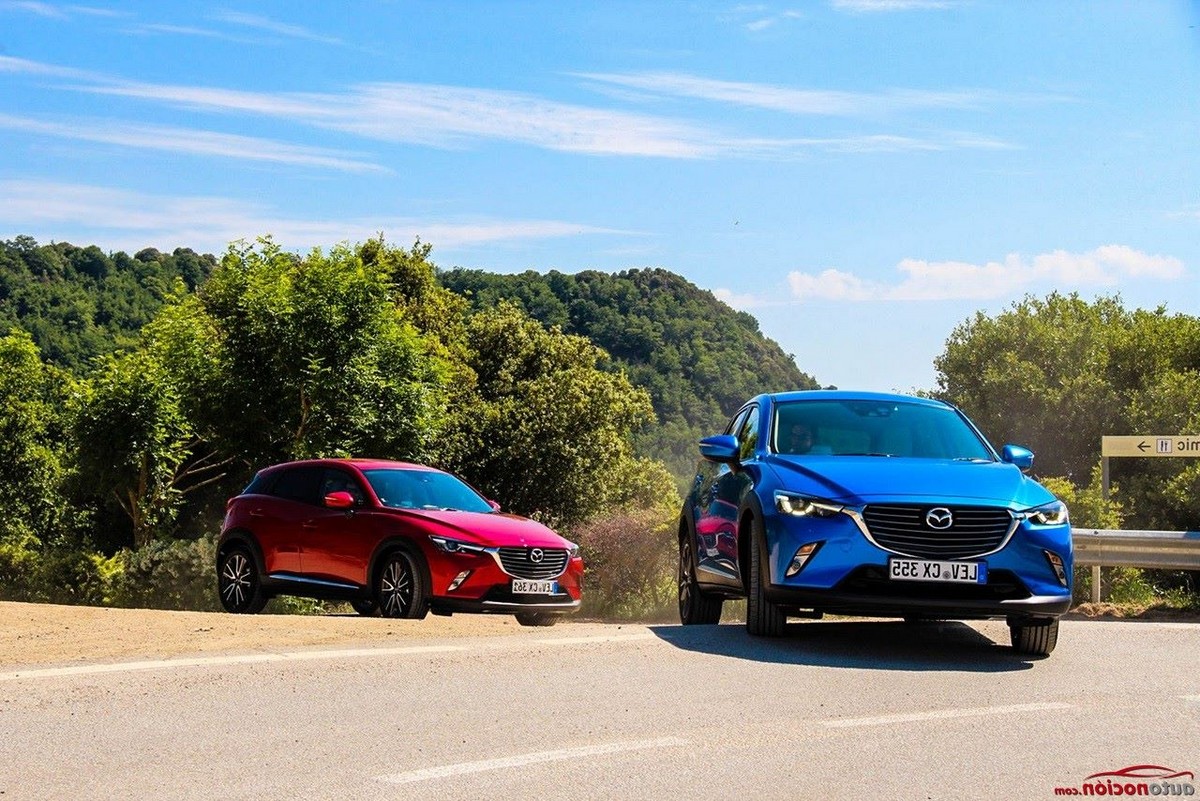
(582, 711)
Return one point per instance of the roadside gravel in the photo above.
(47, 634)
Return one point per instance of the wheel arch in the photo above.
(391, 545)
(240, 537)
(751, 509)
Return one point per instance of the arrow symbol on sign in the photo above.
(1142, 447)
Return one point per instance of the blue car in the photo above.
(870, 504)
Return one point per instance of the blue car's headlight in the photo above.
(797, 505)
(1051, 514)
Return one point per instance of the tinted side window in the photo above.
(735, 424)
(335, 480)
(299, 484)
(261, 485)
(748, 434)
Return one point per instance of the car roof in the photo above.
(842, 394)
(361, 464)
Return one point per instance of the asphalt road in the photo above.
(583, 711)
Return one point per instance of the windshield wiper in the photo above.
(865, 454)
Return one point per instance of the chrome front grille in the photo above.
(522, 562)
(976, 530)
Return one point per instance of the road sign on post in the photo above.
(1149, 445)
(1152, 445)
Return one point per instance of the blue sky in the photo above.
(861, 175)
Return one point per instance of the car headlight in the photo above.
(447, 545)
(572, 550)
(1051, 514)
(797, 505)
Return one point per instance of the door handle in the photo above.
(256, 513)
(308, 524)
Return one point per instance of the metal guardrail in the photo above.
(1164, 550)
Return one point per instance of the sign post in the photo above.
(1142, 445)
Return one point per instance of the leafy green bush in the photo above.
(167, 574)
(630, 558)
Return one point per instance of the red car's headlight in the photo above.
(447, 545)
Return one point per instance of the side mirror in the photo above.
(1015, 454)
(495, 506)
(339, 500)
(721, 448)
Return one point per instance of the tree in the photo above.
(32, 395)
(1059, 373)
(281, 357)
(547, 431)
(697, 358)
(134, 444)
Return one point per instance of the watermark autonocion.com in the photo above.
(1135, 780)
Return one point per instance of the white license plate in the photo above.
(529, 587)
(928, 570)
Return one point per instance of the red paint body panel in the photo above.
(306, 544)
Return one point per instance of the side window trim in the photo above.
(747, 444)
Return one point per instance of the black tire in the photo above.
(763, 618)
(695, 608)
(536, 618)
(239, 584)
(400, 587)
(1036, 638)
(367, 607)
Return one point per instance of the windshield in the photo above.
(874, 428)
(424, 489)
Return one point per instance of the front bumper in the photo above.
(849, 574)
(499, 600)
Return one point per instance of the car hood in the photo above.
(491, 529)
(872, 479)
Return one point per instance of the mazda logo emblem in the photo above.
(536, 555)
(939, 518)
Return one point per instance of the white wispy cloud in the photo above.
(875, 6)
(192, 142)
(117, 219)
(32, 7)
(456, 117)
(952, 280)
(820, 102)
(273, 26)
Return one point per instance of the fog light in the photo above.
(803, 554)
(1056, 563)
(459, 579)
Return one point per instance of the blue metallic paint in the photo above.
(723, 495)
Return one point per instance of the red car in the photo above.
(392, 538)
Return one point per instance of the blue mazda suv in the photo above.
(857, 503)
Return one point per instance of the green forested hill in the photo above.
(699, 358)
(79, 302)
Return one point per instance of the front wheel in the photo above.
(1036, 638)
(536, 618)
(694, 607)
(400, 587)
(763, 618)
(239, 584)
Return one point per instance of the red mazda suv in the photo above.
(391, 538)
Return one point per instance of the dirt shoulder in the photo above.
(46, 634)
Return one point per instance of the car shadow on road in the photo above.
(870, 645)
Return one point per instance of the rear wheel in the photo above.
(400, 587)
(1036, 638)
(695, 608)
(536, 618)
(238, 582)
(763, 618)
